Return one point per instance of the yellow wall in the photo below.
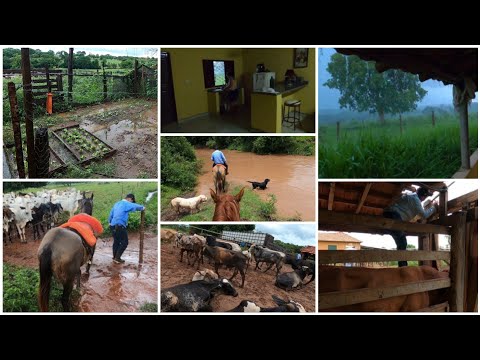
(341, 245)
(187, 69)
(278, 61)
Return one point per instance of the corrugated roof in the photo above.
(449, 65)
(338, 237)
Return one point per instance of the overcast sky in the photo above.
(458, 188)
(298, 234)
(97, 50)
(438, 93)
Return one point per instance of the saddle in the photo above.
(90, 249)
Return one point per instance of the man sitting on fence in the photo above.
(405, 209)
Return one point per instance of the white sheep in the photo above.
(190, 204)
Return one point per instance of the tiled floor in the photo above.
(235, 122)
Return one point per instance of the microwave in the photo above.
(263, 80)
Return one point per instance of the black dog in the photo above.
(261, 185)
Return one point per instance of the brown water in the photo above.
(292, 179)
(121, 287)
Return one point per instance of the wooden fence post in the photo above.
(28, 108)
(47, 76)
(338, 131)
(70, 74)
(104, 84)
(42, 153)
(401, 128)
(457, 263)
(135, 78)
(433, 118)
(142, 234)
(17, 133)
(60, 87)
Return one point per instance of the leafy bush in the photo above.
(267, 209)
(179, 167)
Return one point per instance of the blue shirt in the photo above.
(119, 213)
(410, 206)
(218, 157)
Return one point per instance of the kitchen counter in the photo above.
(267, 107)
(283, 89)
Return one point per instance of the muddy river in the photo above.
(292, 179)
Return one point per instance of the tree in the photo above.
(362, 88)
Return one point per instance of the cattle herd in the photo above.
(207, 284)
(39, 209)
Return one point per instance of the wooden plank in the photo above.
(41, 81)
(331, 196)
(66, 145)
(443, 203)
(39, 71)
(358, 256)
(364, 197)
(334, 218)
(459, 202)
(28, 108)
(457, 263)
(350, 297)
(443, 307)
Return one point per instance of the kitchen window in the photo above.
(215, 72)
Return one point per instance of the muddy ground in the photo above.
(259, 286)
(292, 179)
(110, 287)
(129, 126)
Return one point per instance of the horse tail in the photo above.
(45, 278)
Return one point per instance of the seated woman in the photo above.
(230, 92)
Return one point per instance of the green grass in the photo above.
(20, 290)
(168, 193)
(106, 194)
(149, 307)
(252, 208)
(374, 151)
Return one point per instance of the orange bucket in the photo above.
(49, 103)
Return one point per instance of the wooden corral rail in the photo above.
(350, 297)
(365, 223)
(360, 256)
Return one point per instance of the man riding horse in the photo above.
(220, 170)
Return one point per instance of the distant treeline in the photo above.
(263, 145)
(59, 59)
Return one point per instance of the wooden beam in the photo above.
(331, 196)
(443, 203)
(364, 196)
(337, 218)
(70, 74)
(350, 297)
(457, 264)
(443, 307)
(464, 141)
(359, 256)
(459, 202)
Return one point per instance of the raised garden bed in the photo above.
(82, 144)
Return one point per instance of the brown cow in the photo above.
(333, 278)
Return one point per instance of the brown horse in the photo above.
(219, 178)
(61, 253)
(227, 207)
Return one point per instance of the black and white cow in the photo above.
(282, 306)
(292, 280)
(195, 296)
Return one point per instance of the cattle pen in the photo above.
(358, 207)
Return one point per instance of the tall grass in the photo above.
(374, 151)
